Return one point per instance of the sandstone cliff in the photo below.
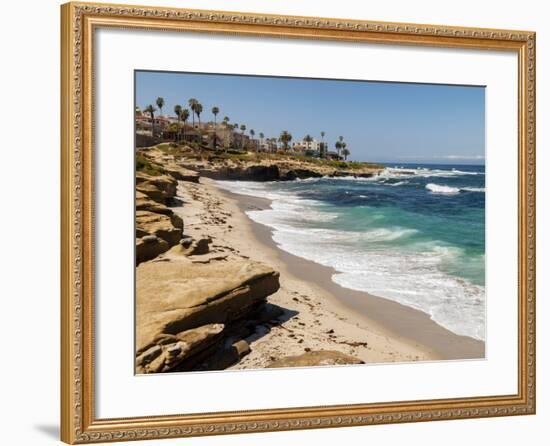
(196, 309)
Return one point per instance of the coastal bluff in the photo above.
(251, 166)
(200, 305)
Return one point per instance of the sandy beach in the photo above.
(318, 313)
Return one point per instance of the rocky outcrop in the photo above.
(172, 351)
(144, 203)
(166, 227)
(156, 233)
(159, 188)
(180, 301)
(157, 227)
(181, 173)
(190, 246)
(280, 171)
(242, 173)
(293, 174)
(184, 165)
(316, 358)
(148, 247)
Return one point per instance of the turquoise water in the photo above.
(414, 234)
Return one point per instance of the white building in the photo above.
(302, 145)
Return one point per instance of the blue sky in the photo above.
(380, 121)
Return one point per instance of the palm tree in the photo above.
(160, 104)
(261, 135)
(252, 133)
(285, 138)
(184, 117)
(177, 111)
(151, 110)
(192, 105)
(226, 120)
(345, 151)
(198, 111)
(215, 111)
(322, 153)
(339, 145)
(234, 127)
(243, 128)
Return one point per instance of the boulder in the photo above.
(178, 295)
(315, 358)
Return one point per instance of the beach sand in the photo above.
(318, 313)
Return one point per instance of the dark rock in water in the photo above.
(302, 174)
(262, 173)
(307, 173)
(251, 173)
(341, 173)
(315, 358)
(364, 175)
(289, 176)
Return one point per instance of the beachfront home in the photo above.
(143, 123)
(303, 146)
(267, 145)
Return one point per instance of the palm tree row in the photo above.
(196, 109)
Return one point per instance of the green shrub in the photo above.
(145, 166)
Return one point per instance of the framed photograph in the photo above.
(276, 223)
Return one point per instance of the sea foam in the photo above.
(442, 189)
(384, 261)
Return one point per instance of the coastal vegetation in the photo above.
(227, 136)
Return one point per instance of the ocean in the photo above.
(414, 234)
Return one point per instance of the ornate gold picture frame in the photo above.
(80, 21)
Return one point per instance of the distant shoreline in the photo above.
(394, 318)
